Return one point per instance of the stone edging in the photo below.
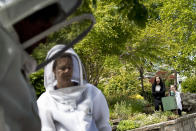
(174, 124)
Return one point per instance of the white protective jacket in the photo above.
(178, 100)
(77, 108)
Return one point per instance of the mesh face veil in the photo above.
(77, 75)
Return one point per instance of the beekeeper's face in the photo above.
(63, 69)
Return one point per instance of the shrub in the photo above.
(127, 125)
(147, 94)
(124, 83)
(121, 110)
(137, 105)
(157, 117)
(170, 115)
(37, 80)
(141, 119)
(124, 109)
(138, 97)
(189, 85)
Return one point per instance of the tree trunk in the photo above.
(175, 79)
(141, 70)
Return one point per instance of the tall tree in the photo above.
(181, 16)
(147, 47)
(109, 37)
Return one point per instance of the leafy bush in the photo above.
(170, 115)
(157, 117)
(169, 82)
(148, 91)
(137, 105)
(124, 83)
(137, 96)
(37, 80)
(127, 125)
(124, 109)
(121, 110)
(148, 96)
(189, 85)
(40, 52)
(141, 119)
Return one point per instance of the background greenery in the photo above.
(189, 85)
(130, 38)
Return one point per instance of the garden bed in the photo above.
(156, 122)
(138, 120)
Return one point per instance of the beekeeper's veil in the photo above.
(78, 75)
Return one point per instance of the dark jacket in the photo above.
(160, 94)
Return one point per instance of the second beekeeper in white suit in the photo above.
(70, 103)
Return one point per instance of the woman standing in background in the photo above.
(158, 91)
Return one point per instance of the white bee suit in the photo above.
(18, 109)
(78, 108)
(178, 100)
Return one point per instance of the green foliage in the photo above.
(107, 39)
(40, 52)
(137, 105)
(189, 85)
(127, 125)
(168, 38)
(134, 10)
(169, 82)
(125, 108)
(180, 16)
(147, 94)
(156, 117)
(153, 7)
(37, 80)
(142, 119)
(170, 115)
(121, 110)
(124, 83)
(171, 30)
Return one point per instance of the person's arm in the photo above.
(45, 116)
(46, 120)
(178, 100)
(101, 112)
(153, 90)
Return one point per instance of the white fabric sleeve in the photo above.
(101, 112)
(178, 100)
(46, 119)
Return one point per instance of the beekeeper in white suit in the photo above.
(70, 103)
(22, 24)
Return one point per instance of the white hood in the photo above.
(76, 108)
(49, 79)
